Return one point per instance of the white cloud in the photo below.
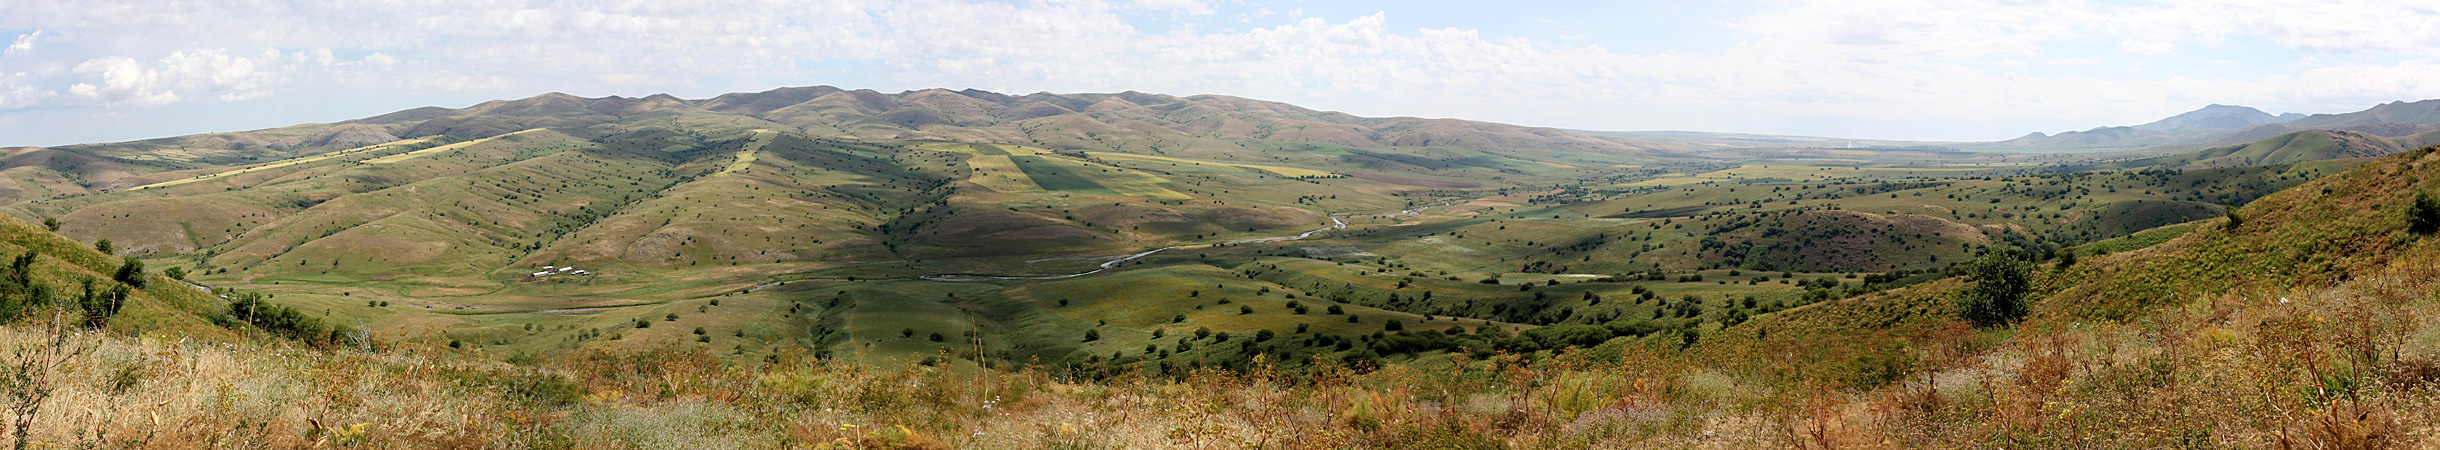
(2321, 26)
(128, 82)
(2073, 61)
(1852, 60)
(24, 43)
(16, 94)
(1194, 7)
(452, 82)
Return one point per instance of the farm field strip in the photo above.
(290, 162)
(1052, 176)
(745, 158)
(981, 149)
(428, 151)
(1801, 173)
(1284, 171)
(1000, 174)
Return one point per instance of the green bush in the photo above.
(2424, 216)
(131, 273)
(1998, 295)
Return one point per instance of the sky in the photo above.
(79, 71)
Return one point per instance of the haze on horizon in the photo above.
(102, 71)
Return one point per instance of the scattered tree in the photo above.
(2424, 216)
(1998, 295)
(131, 273)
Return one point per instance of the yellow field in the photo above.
(1284, 171)
(419, 153)
(745, 158)
(1132, 182)
(1800, 173)
(951, 147)
(1018, 150)
(291, 162)
(1000, 174)
(1546, 163)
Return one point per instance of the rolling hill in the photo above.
(854, 224)
(2222, 125)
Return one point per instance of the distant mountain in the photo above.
(1055, 121)
(1700, 140)
(2210, 119)
(2224, 125)
(2214, 117)
(1211, 126)
(2420, 112)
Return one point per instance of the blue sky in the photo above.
(108, 70)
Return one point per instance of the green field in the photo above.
(1057, 177)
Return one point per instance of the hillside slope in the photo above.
(2310, 323)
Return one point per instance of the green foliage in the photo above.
(1998, 295)
(282, 321)
(18, 288)
(2424, 216)
(100, 304)
(103, 246)
(51, 223)
(131, 273)
(175, 273)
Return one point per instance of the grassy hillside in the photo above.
(2307, 324)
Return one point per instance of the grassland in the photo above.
(423, 152)
(376, 148)
(667, 217)
(1280, 170)
(1000, 174)
(751, 285)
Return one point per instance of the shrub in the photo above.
(131, 273)
(1998, 295)
(2424, 216)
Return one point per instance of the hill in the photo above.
(2214, 318)
(2305, 324)
(2212, 117)
(2223, 125)
(2291, 148)
(558, 223)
